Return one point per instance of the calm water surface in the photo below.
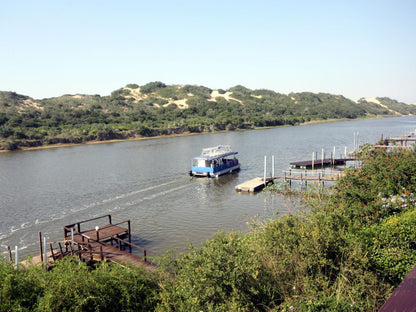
(147, 181)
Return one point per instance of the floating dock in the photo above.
(254, 185)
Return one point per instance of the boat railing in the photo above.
(216, 150)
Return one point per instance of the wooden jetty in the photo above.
(403, 140)
(303, 176)
(327, 162)
(105, 238)
(319, 176)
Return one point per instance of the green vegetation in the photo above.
(158, 109)
(346, 250)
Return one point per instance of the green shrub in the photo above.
(224, 275)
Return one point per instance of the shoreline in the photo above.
(51, 146)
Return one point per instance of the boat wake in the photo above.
(112, 204)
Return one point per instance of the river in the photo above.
(147, 181)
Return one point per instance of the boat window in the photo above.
(200, 163)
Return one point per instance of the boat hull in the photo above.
(205, 172)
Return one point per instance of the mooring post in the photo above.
(264, 174)
(313, 160)
(16, 256)
(9, 250)
(272, 167)
(322, 158)
(40, 247)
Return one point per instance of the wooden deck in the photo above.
(320, 163)
(108, 240)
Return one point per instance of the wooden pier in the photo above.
(303, 176)
(327, 162)
(406, 140)
(105, 238)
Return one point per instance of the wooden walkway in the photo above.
(257, 184)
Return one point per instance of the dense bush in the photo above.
(73, 286)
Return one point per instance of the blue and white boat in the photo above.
(215, 161)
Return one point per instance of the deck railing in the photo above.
(76, 227)
(121, 241)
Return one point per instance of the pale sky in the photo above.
(352, 48)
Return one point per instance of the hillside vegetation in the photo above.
(158, 109)
(346, 251)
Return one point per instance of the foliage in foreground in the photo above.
(73, 286)
(347, 253)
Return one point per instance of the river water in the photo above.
(147, 181)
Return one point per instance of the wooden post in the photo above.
(129, 228)
(53, 255)
(109, 219)
(264, 174)
(313, 160)
(322, 158)
(40, 247)
(9, 250)
(101, 253)
(273, 167)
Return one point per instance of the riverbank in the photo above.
(50, 146)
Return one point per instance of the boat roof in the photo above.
(215, 152)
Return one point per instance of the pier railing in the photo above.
(121, 241)
(308, 175)
(76, 227)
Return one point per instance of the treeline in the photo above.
(158, 109)
(346, 250)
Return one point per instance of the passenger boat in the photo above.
(215, 161)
